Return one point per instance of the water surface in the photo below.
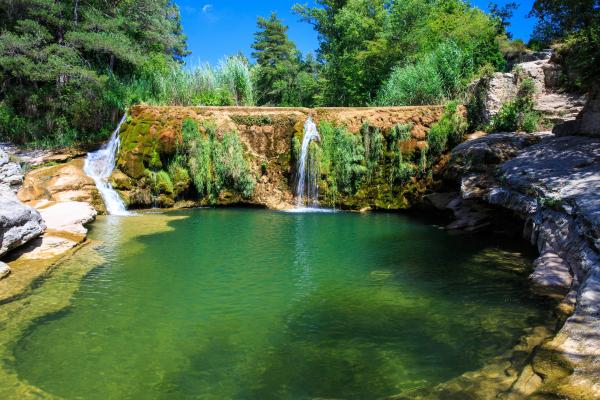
(249, 304)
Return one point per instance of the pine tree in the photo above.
(56, 58)
(278, 62)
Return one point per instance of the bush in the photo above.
(440, 75)
(450, 129)
(518, 114)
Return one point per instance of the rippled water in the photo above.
(247, 304)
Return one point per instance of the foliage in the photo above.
(227, 84)
(502, 15)
(518, 114)
(373, 143)
(438, 76)
(342, 158)
(216, 165)
(575, 23)
(449, 130)
(160, 182)
(281, 76)
(59, 62)
(362, 41)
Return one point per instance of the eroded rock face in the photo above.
(556, 105)
(19, 223)
(587, 122)
(11, 175)
(554, 185)
(151, 135)
(60, 183)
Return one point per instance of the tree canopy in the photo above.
(361, 41)
(57, 57)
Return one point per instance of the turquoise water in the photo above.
(252, 304)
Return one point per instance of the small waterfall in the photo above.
(307, 192)
(99, 165)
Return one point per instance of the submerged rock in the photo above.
(554, 186)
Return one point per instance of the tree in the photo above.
(278, 63)
(361, 41)
(503, 15)
(56, 59)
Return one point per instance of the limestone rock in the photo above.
(587, 122)
(4, 270)
(19, 223)
(552, 275)
(553, 103)
(484, 153)
(10, 172)
(68, 217)
(60, 183)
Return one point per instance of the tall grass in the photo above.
(227, 84)
(438, 76)
(216, 165)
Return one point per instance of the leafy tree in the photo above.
(278, 63)
(362, 41)
(59, 60)
(503, 14)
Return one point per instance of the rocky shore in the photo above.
(42, 214)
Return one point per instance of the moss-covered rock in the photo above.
(151, 137)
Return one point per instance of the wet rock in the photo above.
(4, 270)
(68, 217)
(60, 183)
(19, 223)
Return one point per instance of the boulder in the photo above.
(4, 270)
(10, 172)
(19, 223)
(60, 183)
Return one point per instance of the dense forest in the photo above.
(69, 69)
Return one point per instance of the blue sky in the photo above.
(220, 27)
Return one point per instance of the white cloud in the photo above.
(207, 8)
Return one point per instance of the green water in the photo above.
(248, 304)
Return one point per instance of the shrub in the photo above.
(518, 114)
(438, 76)
(450, 129)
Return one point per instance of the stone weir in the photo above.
(150, 137)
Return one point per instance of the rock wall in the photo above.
(151, 134)
(552, 183)
(556, 105)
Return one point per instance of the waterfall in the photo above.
(99, 165)
(308, 185)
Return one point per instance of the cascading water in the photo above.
(307, 192)
(99, 165)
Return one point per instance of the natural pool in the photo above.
(254, 304)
